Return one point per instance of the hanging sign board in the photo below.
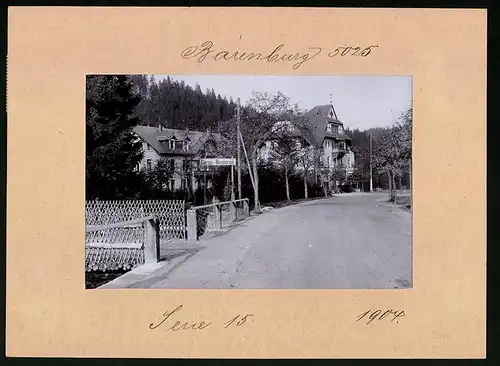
(219, 162)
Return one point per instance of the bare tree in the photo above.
(258, 117)
(284, 153)
(322, 169)
(392, 154)
(306, 156)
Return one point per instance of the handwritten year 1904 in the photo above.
(371, 315)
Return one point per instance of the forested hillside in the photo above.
(174, 104)
(177, 105)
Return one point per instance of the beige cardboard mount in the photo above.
(49, 312)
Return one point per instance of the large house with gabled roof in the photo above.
(182, 148)
(324, 132)
(327, 133)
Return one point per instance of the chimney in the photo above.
(160, 127)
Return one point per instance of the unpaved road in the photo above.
(348, 241)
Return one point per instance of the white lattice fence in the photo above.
(112, 259)
(170, 213)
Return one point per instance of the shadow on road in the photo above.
(170, 249)
(174, 253)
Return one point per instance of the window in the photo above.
(186, 146)
(172, 144)
(335, 129)
(148, 164)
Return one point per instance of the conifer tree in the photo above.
(112, 152)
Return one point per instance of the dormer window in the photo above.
(332, 128)
(172, 144)
(185, 145)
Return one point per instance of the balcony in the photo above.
(339, 148)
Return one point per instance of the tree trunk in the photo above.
(286, 184)
(305, 186)
(410, 186)
(390, 185)
(256, 187)
(399, 179)
(395, 188)
(228, 188)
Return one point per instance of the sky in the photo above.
(360, 101)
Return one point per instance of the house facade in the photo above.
(324, 135)
(328, 134)
(182, 149)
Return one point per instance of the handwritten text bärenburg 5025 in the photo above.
(208, 51)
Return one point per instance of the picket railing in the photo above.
(112, 247)
(214, 216)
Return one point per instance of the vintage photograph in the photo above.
(248, 182)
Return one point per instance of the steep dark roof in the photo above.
(154, 137)
(318, 119)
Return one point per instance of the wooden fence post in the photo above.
(217, 217)
(192, 229)
(151, 241)
(217, 212)
(246, 209)
(233, 211)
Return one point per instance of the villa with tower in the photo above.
(322, 133)
(325, 134)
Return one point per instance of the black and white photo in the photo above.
(248, 182)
